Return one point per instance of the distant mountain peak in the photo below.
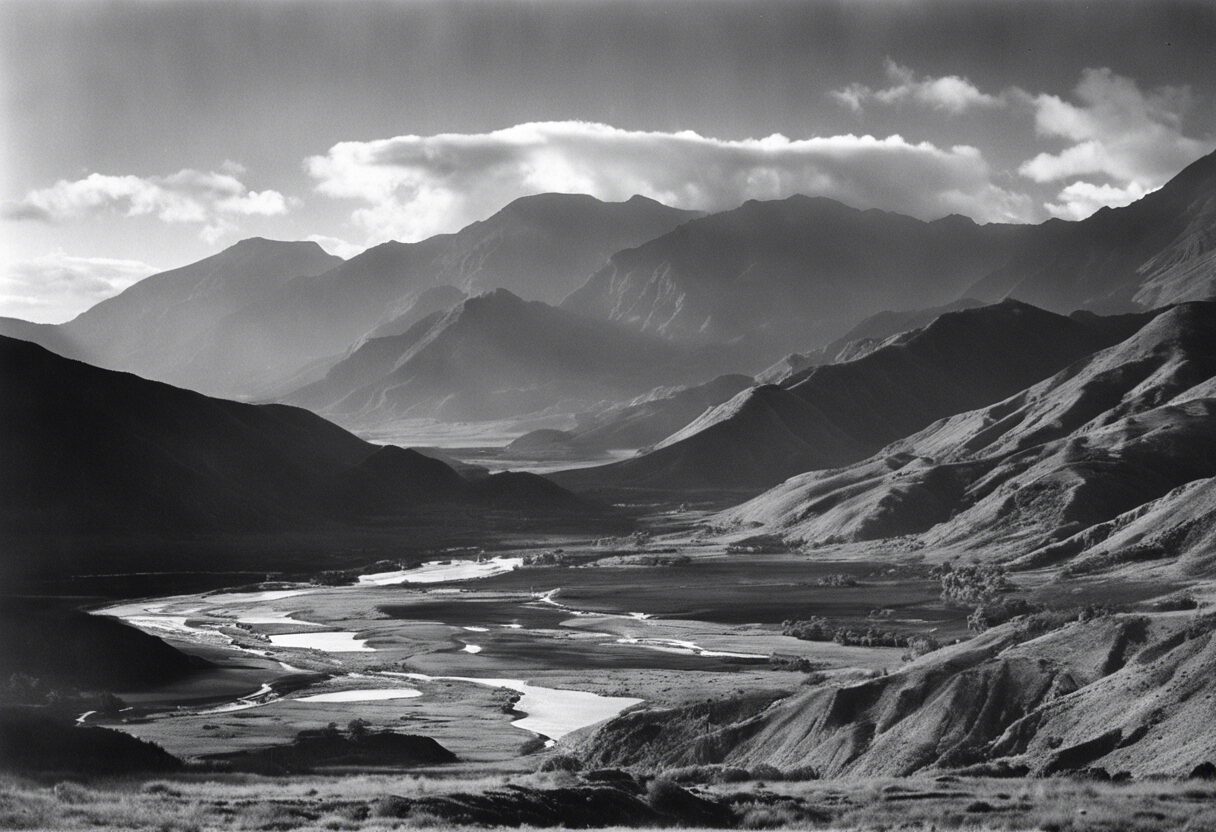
(250, 243)
(495, 296)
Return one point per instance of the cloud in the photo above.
(416, 186)
(207, 198)
(336, 245)
(1117, 132)
(950, 93)
(58, 286)
(1080, 199)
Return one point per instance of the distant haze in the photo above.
(140, 137)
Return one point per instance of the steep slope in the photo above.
(1159, 250)
(1062, 459)
(778, 275)
(495, 356)
(837, 414)
(1123, 694)
(540, 247)
(1179, 527)
(152, 327)
(862, 339)
(427, 303)
(90, 452)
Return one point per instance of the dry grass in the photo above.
(194, 803)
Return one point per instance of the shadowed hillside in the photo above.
(836, 414)
(1048, 473)
(779, 275)
(1159, 250)
(91, 452)
(862, 339)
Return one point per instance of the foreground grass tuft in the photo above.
(381, 802)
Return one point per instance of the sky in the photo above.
(140, 136)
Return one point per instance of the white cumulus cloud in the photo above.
(949, 93)
(58, 286)
(336, 245)
(414, 186)
(1080, 199)
(207, 198)
(1130, 140)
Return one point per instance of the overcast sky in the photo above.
(136, 137)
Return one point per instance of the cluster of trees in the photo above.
(554, 557)
(761, 544)
(661, 560)
(973, 584)
(839, 579)
(797, 664)
(818, 628)
(985, 587)
(24, 689)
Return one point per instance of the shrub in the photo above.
(687, 774)
(992, 613)
(919, 646)
(392, 806)
(769, 817)
(73, 793)
(561, 762)
(532, 746)
(767, 771)
(1091, 612)
(664, 795)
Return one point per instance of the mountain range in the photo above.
(836, 414)
(771, 276)
(263, 319)
(495, 356)
(1067, 469)
(238, 325)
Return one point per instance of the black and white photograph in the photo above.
(608, 414)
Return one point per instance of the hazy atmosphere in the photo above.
(142, 136)
(608, 415)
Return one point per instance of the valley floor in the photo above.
(508, 661)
